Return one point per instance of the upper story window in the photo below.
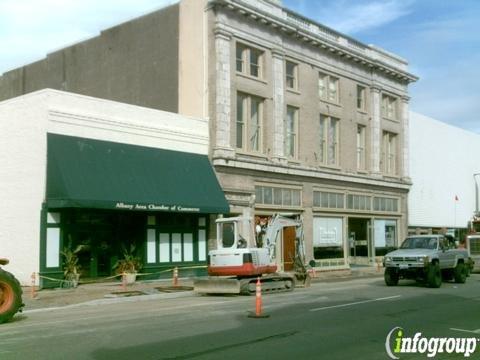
(385, 204)
(361, 153)
(249, 123)
(249, 61)
(291, 129)
(278, 196)
(328, 136)
(389, 107)
(291, 72)
(359, 202)
(330, 200)
(361, 98)
(389, 153)
(328, 88)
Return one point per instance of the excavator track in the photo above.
(272, 283)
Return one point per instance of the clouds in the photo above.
(363, 16)
(29, 29)
(438, 38)
(352, 17)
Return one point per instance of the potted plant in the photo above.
(129, 265)
(71, 267)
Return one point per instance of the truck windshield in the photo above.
(420, 243)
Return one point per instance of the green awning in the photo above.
(86, 173)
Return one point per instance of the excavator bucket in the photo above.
(217, 286)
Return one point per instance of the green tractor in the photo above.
(10, 294)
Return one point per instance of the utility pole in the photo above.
(477, 212)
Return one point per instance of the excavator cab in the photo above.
(233, 233)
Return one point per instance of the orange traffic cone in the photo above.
(258, 302)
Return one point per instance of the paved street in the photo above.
(336, 320)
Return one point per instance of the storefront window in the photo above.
(53, 247)
(151, 248)
(202, 245)
(286, 197)
(328, 239)
(176, 247)
(187, 247)
(385, 204)
(53, 240)
(164, 247)
(385, 236)
(328, 200)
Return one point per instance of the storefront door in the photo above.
(101, 237)
(288, 248)
(360, 241)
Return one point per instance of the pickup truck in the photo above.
(427, 258)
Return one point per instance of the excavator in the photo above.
(246, 252)
(10, 294)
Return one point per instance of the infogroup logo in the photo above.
(397, 343)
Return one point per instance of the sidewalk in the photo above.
(84, 293)
(53, 298)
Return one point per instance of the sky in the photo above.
(439, 38)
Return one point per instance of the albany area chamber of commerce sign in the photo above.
(154, 207)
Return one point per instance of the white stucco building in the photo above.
(77, 170)
(444, 159)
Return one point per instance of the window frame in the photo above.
(245, 59)
(247, 101)
(324, 137)
(293, 133)
(357, 198)
(383, 204)
(293, 76)
(328, 79)
(389, 107)
(389, 157)
(326, 196)
(361, 98)
(361, 147)
(276, 189)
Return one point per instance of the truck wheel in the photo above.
(434, 276)
(468, 268)
(460, 273)
(391, 277)
(10, 296)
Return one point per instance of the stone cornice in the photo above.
(315, 34)
(279, 53)
(308, 172)
(220, 32)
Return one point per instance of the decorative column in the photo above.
(375, 132)
(278, 77)
(222, 147)
(406, 138)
